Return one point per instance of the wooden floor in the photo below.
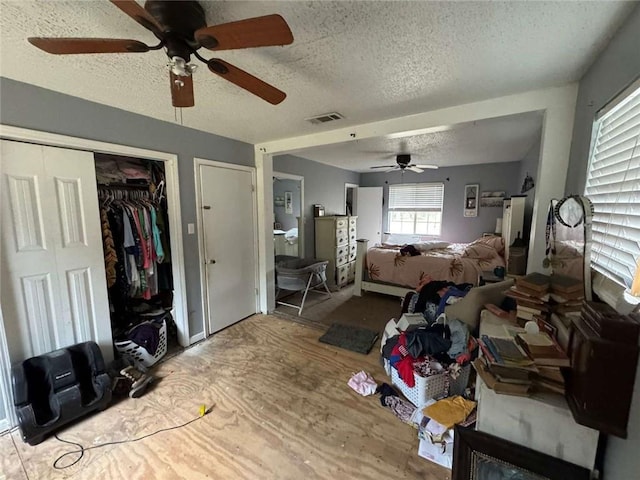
(282, 410)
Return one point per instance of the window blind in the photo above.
(416, 196)
(613, 185)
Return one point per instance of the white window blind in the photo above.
(416, 196)
(613, 185)
(416, 208)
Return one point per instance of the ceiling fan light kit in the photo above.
(181, 29)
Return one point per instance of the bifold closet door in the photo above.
(53, 288)
(229, 226)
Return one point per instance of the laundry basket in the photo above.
(139, 353)
(301, 275)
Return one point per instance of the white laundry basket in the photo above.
(139, 353)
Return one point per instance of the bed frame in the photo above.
(361, 285)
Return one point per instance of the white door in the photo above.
(368, 208)
(53, 289)
(227, 202)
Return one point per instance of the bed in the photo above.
(382, 269)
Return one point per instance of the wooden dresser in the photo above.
(336, 242)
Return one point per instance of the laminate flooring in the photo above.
(281, 409)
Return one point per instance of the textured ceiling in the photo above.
(367, 60)
(501, 139)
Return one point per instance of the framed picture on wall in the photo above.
(471, 200)
(288, 202)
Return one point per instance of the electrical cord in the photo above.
(82, 449)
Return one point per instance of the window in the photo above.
(416, 208)
(613, 185)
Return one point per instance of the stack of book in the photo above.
(548, 358)
(504, 366)
(521, 364)
(531, 294)
(566, 294)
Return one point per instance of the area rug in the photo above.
(352, 338)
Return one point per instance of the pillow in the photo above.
(494, 242)
(406, 239)
(468, 309)
(423, 247)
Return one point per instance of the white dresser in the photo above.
(513, 221)
(336, 242)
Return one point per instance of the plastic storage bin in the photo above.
(426, 388)
(139, 353)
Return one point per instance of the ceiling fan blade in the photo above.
(139, 14)
(60, 46)
(181, 91)
(251, 32)
(385, 166)
(246, 80)
(427, 167)
(414, 168)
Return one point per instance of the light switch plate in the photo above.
(191, 228)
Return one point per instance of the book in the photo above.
(548, 385)
(535, 311)
(543, 350)
(494, 384)
(537, 282)
(550, 373)
(545, 326)
(563, 284)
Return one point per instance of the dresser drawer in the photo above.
(353, 251)
(342, 236)
(342, 223)
(342, 259)
(342, 275)
(342, 251)
(352, 236)
(352, 272)
(352, 222)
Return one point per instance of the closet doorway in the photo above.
(226, 202)
(64, 196)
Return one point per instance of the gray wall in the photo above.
(455, 227)
(27, 106)
(529, 165)
(288, 220)
(616, 67)
(323, 185)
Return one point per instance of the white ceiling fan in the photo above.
(403, 162)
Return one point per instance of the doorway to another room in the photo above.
(288, 214)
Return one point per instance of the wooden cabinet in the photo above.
(603, 347)
(336, 242)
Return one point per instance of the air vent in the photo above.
(324, 118)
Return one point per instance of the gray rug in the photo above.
(349, 337)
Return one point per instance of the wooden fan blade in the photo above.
(413, 168)
(61, 46)
(139, 14)
(385, 166)
(181, 91)
(428, 167)
(246, 80)
(252, 32)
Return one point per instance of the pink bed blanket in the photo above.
(458, 263)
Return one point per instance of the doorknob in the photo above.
(211, 261)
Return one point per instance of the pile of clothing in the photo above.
(415, 346)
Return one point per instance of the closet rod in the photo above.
(125, 186)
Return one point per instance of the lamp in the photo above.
(632, 295)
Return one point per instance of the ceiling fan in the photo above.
(181, 29)
(403, 162)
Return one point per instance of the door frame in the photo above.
(302, 223)
(347, 186)
(5, 382)
(173, 200)
(204, 291)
